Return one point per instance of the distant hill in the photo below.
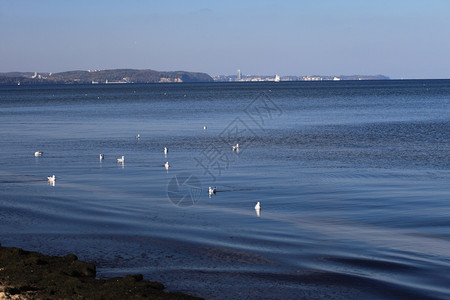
(17, 74)
(103, 77)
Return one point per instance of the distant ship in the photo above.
(277, 78)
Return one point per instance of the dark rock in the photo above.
(138, 277)
(84, 269)
(156, 285)
(12, 291)
(27, 288)
(70, 257)
(38, 276)
(18, 251)
(41, 262)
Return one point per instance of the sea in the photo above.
(352, 177)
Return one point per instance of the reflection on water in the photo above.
(353, 178)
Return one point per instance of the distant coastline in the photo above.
(102, 77)
(123, 76)
(276, 78)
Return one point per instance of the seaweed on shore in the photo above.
(32, 275)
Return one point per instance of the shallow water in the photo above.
(352, 178)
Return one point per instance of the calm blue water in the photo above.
(352, 177)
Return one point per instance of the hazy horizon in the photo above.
(399, 39)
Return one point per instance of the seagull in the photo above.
(101, 156)
(235, 148)
(51, 178)
(204, 127)
(138, 136)
(258, 209)
(121, 160)
(38, 153)
(212, 191)
(166, 165)
(166, 150)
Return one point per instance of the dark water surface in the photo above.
(352, 177)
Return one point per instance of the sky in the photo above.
(396, 38)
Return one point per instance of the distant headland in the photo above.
(102, 77)
(116, 76)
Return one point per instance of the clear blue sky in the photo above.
(398, 38)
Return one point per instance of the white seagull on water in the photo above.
(38, 153)
(235, 148)
(138, 136)
(212, 191)
(121, 160)
(258, 209)
(101, 156)
(166, 165)
(166, 150)
(51, 178)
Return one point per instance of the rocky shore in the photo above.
(32, 275)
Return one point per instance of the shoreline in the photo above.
(33, 275)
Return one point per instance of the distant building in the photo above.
(277, 78)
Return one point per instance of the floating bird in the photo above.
(38, 153)
(101, 156)
(235, 148)
(204, 127)
(212, 191)
(258, 209)
(121, 160)
(166, 165)
(138, 136)
(166, 150)
(51, 178)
